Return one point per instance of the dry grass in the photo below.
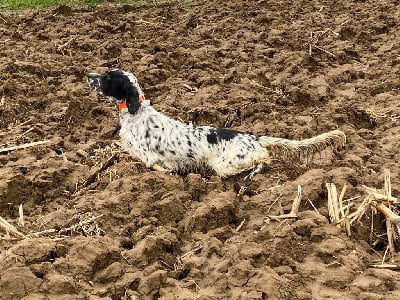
(103, 158)
(376, 115)
(316, 37)
(10, 229)
(295, 208)
(347, 215)
(380, 201)
(85, 224)
(180, 259)
(23, 146)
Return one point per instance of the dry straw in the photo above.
(23, 146)
(382, 201)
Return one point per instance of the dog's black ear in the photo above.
(132, 99)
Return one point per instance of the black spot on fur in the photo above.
(240, 156)
(221, 134)
(190, 154)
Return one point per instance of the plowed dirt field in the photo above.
(102, 226)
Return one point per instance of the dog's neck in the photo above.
(123, 104)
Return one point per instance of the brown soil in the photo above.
(174, 237)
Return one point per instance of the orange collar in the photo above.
(123, 105)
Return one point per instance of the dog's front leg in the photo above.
(259, 169)
(157, 167)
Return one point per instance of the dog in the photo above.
(165, 144)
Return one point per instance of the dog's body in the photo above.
(158, 140)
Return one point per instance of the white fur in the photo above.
(157, 139)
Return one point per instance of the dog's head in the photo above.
(120, 85)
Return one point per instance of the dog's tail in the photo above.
(304, 150)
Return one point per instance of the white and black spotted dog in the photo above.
(163, 143)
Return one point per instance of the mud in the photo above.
(121, 231)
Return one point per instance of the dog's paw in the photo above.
(157, 167)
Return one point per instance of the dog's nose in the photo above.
(92, 77)
(93, 80)
(90, 80)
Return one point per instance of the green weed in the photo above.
(5, 74)
(20, 4)
(34, 4)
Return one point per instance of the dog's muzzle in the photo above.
(95, 82)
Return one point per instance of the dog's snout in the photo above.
(92, 77)
(93, 80)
